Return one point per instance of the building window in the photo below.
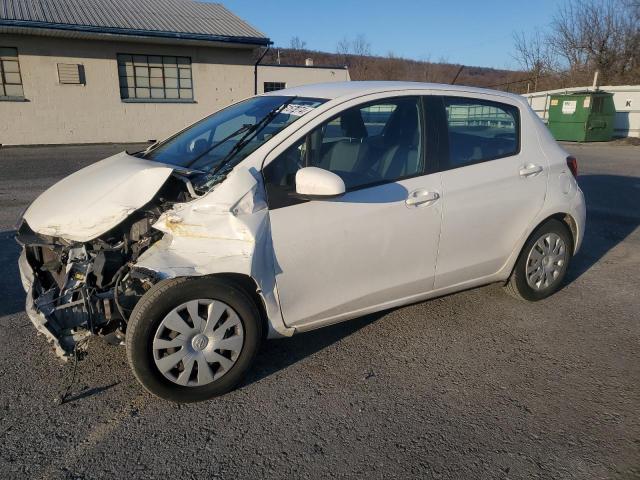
(10, 77)
(155, 78)
(273, 86)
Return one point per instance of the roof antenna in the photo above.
(457, 75)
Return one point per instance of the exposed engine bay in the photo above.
(83, 288)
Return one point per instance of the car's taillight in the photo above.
(572, 163)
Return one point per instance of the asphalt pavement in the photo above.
(470, 386)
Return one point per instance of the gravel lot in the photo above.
(474, 385)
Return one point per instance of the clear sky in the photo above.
(471, 32)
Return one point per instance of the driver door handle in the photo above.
(530, 170)
(422, 197)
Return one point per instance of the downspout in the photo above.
(255, 69)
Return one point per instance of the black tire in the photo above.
(517, 285)
(157, 303)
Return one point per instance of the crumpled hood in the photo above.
(93, 200)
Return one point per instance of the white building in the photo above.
(73, 71)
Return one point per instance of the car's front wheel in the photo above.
(543, 262)
(191, 339)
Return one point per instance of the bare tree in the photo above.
(584, 36)
(297, 43)
(361, 46)
(343, 49)
(344, 46)
(354, 54)
(534, 55)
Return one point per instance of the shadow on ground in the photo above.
(88, 392)
(11, 293)
(613, 213)
(612, 204)
(276, 355)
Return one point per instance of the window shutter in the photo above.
(70, 73)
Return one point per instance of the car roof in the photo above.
(343, 90)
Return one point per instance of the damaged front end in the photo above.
(97, 240)
(78, 288)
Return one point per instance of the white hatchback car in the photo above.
(293, 210)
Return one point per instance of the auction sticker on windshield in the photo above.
(297, 110)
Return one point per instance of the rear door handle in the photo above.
(530, 170)
(422, 197)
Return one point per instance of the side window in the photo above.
(365, 145)
(480, 130)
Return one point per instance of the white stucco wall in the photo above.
(296, 76)
(93, 113)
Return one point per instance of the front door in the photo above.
(372, 246)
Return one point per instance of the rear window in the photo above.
(481, 130)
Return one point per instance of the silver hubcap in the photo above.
(546, 261)
(198, 342)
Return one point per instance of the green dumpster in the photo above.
(582, 116)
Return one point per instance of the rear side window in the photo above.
(480, 130)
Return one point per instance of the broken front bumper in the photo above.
(63, 335)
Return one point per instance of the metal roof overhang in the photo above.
(90, 32)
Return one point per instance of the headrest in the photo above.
(352, 124)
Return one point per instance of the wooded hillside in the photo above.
(584, 37)
(365, 67)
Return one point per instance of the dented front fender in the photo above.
(225, 231)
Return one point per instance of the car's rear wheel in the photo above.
(191, 339)
(543, 262)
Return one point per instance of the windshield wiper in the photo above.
(242, 129)
(247, 129)
(250, 133)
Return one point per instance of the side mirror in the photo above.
(318, 182)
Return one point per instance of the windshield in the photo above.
(230, 135)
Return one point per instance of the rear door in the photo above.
(494, 180)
